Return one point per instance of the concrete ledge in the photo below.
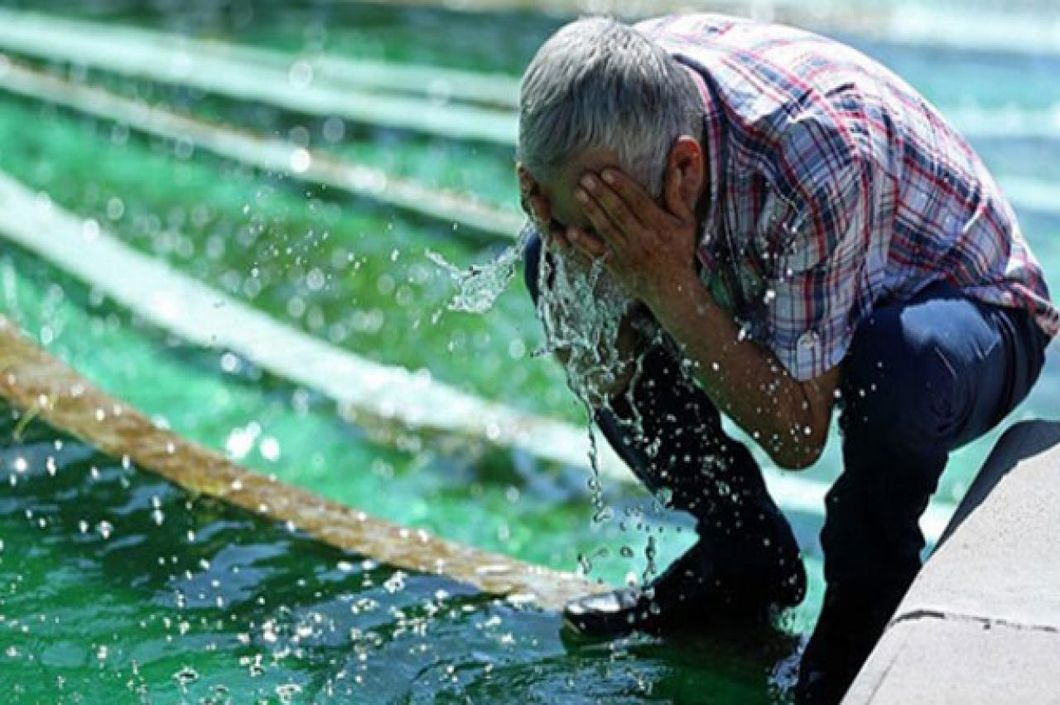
(981, 623)
(939, 659)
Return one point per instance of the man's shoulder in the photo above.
(720, 31)
(755, 63)
(686, 24)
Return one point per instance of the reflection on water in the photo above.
(117, 585)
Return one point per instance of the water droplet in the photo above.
(603, 514)
(584, 564)
(665, 496)
(185, 676)
(300, 75)
(395, 582)
(115, 208)
(333, 129)
(270, 449)
(301, 160)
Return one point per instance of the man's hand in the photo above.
(629, 343)
(649, 249)
(553, 234)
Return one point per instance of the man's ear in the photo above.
(526, 181)
(686, 170)
(531, 199)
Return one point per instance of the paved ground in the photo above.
(981, 624)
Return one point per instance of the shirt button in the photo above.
(808, 339)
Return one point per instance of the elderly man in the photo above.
(793, 228)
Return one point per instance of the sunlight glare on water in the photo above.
(217, 606)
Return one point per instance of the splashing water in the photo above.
(581, 309)
(479, 286)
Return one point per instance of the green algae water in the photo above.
(120, 587)
(117, 587)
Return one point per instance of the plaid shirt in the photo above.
(835, 188)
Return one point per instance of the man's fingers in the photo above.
(602, 224)
(593, 191)
(586, 243)
(632, 193)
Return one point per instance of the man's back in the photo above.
(838, 187)
(826, 200)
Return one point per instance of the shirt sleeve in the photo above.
(814, 234)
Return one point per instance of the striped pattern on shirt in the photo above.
(834, 188)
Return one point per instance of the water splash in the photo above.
(582, 310)
(480, 285)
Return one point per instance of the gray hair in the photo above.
(599, 83)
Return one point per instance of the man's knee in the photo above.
(898, 385)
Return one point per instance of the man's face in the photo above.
(588, 322)
(564, 209)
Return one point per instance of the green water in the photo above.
(485, 172)
(348, 271)
(502, 503)
(119, 588)
(353, 273)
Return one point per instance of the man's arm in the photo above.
(651, 250)
(788, 418)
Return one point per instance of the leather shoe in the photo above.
(696, 588)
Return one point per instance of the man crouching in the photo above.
(792, 228)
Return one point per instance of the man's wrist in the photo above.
(673, 290)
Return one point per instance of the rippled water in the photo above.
(119, 587)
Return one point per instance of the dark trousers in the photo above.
(922, 377)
